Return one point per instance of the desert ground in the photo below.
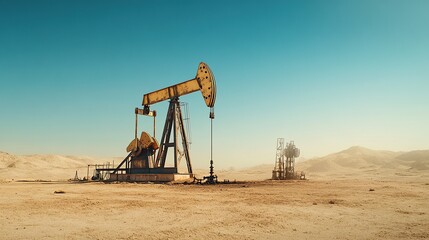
(354, 194)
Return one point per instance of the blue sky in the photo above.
(327, 74)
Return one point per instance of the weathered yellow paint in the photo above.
(203, 81)
(146, 140)
(134, 145)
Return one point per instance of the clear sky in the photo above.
(327, 74)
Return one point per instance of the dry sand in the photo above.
(336, 204)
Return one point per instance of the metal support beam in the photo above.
(173, 122)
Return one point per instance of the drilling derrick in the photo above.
(284, 167)
(278, 172)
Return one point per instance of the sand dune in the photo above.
(417, 160)
(354, 158)
(360, 161)
(7, 160)
(355, 161)
(350, 162)
(45, 166)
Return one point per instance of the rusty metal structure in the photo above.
(284, 167)
(147, 159)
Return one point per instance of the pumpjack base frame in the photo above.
(150, 177)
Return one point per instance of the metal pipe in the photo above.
(154, 125)
(176, 105)
(154, 136)
(211, 143)
(135, 133)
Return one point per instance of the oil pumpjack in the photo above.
(141, 164)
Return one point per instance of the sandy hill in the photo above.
(355, 161)
(418, 160)
(355, 158)
(359, 160)
(45, 166)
